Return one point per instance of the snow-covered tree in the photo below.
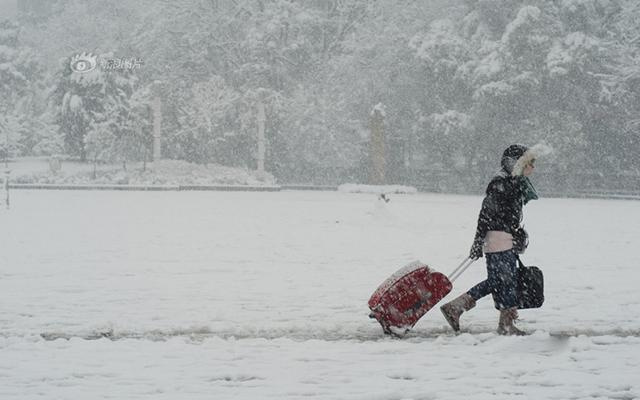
(207, 119)
(20, 86)
(95, 103)
(319, 139)
(534, 59)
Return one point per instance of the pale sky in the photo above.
(8, 8)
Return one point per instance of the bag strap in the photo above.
(520, 262)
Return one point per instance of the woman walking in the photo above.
(501, 238)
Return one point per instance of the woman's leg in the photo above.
(465, 302)
(502, 268)
(485, 287)
(480, 290)
(502, 278)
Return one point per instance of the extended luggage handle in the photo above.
(466, 263)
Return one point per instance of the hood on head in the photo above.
(528, 155)
(511, 156)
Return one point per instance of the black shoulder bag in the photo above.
(530, 286)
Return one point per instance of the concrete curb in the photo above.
(310, 187)
(223, 188)
(46, 186)
(230, 188)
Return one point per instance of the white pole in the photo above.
(157, 127)
(6, 186)
(261, 141)
(6, 166)
(157, 119)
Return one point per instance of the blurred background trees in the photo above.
(458, 81)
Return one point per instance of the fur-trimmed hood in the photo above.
(516, 157)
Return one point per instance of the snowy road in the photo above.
(222, 295)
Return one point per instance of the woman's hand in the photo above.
(520, 240)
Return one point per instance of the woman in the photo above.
(500, 236)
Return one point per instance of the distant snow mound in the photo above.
(376, 189)
(163, 172)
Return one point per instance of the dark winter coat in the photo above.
(502, 206)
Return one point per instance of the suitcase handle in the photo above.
(455, 274)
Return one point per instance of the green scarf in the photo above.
(528, 191)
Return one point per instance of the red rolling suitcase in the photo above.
(402, 299)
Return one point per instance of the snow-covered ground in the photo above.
(225, 295)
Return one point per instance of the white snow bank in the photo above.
(163, 172)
